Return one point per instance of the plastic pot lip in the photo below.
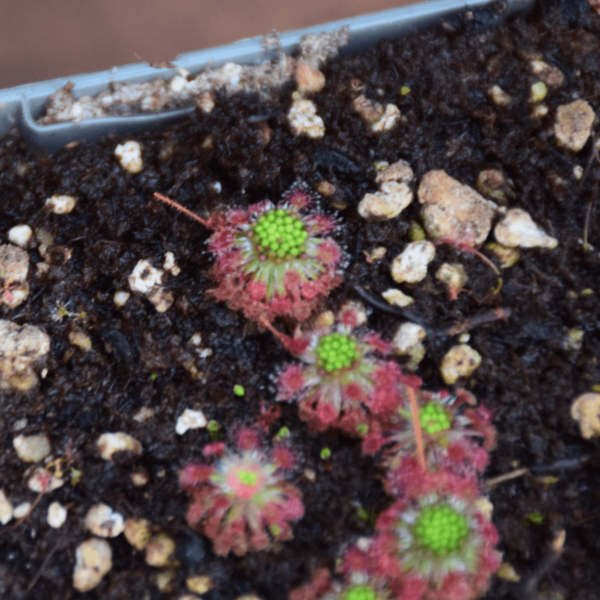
(22, 104)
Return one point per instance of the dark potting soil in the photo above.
(527, 375)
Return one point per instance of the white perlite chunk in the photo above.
(309, 79)
(190, 419)
(20, 235)
(129, 156)
(399, 171)
(57, 515)
(81, 340)
(103, 521)
(574, 124)
(22, 349)
(378, 117)
(408, 341)
(518, 229)
(21, 510)
(411, 265)
(160, 551)
(32, 448)
(137, 532)
(453, 211)
(397, 298)
(14, 268)
(454, 277)
(120, 298)
(147, 280)
(391, 199)
(499, 96)
(304, 119)
(60, 204)
(93, 560)
(170, 264)
(460, 361)
(586, 411)
(109, 443)
(6, 509)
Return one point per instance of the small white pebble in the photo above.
(190, 419)
(538, 92)
(81, 340)
(387, 203)
(103, 521)
(389, 119)
(499, 96)
(411, 265)
(20, 235)
(21, 510)
(586, 411)
(57, 515)
(518, 229)
(160, 550)
(539, 111)
(144, 414)
(460, 361)
(139, 478)
(129, 156)
(463, 338)
(216, 185)
(145, 278)
(407, 336)
(6, 509)
(137, 532)
(32, 448)
(196, 340)
(397, 298)
(573, 125)
(200, 584)
(205, 352)
(20, 424)
(120, 298)
(93, 560)
(304, 120)
(61, 205)
(170, 264)
(578, 172)
(109, 443)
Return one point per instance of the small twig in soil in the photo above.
(494, 481)
(47, 560)
(528, 588)
(565, 464)
(184, 210)
(489, 316)
(35, 503)
(465, 247)
(417, 425)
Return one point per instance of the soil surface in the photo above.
(528, 375)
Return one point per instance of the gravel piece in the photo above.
(460, 361)
(573, 124)
(93, 560)
(517, 229)
(110, 443)
(32, 448)
(411, 265)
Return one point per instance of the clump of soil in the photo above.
(141, 358)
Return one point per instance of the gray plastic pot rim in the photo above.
(22, 105)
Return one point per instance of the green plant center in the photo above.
(434, 418)
(440, 529)
(247, 477)
(360, 592)
(336, 351)
(279, 234)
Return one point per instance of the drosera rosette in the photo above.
(439, 532)
(360, 576)
(343, 379)
(274, 260)
(242, 500)
(455, 433)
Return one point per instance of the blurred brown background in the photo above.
(43, 39)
